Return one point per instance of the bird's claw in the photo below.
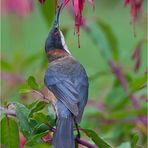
(78, 136)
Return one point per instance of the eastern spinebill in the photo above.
(66, 78)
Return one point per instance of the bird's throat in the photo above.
(56, 54)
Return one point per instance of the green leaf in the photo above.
(48, 9)
(115, 97)
(22, 114)
(96, 139)
(36, 138)
(138, 83)
(124, 145)
(99, 38)
(126, 113)
(40, 128)
(134, 140)
(23, 91)
(30, 106)
(9, 133)
(41, 118)
(22, 108)
(5, 65)
(33, 123)
(32, 59)
(111, 39)
(32, 83)
(39, 105)
(39, 145)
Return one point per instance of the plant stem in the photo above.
(84, 143)
(7, 112)
(41, 95)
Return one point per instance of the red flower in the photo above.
(41, 1)
(78, 6)
(20, 7)
(135, 8)
(126, 2)
(22, 140)
(136, 55)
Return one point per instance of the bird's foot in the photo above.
(78, 136)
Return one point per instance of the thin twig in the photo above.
(7, 112)
(84, 143)
(41, 95)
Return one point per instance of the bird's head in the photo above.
(55, 39)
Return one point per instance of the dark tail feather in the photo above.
(63, 137)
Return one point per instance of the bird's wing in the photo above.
(64, 90)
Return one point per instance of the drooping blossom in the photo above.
(78, 6)
(42, 1)
(119, 74)
(135, 8)
(136, 55)
(20, 7)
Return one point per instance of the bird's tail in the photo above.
(63, 137)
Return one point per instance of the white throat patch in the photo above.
(63, 42)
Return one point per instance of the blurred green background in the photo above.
(109, 110)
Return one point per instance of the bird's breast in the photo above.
(66, 67)
(56, 54)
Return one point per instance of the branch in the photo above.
(41, 95)
(82, 142)
(7, 111)
(120, 76)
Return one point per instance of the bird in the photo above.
(67, 79)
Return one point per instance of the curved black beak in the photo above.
(56, 19)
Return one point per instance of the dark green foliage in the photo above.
(22, 114)
(39, 105)
(33, 123)
(32, 83)
(9, 132)
(134, 140)
(96, 139)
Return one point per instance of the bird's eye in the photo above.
(56, 29)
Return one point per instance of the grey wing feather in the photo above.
(66, 97)
(63, 90)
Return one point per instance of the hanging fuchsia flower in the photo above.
(41, 1)
(20, 7)
(136, 55)
(135, 8)
(78, 6)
